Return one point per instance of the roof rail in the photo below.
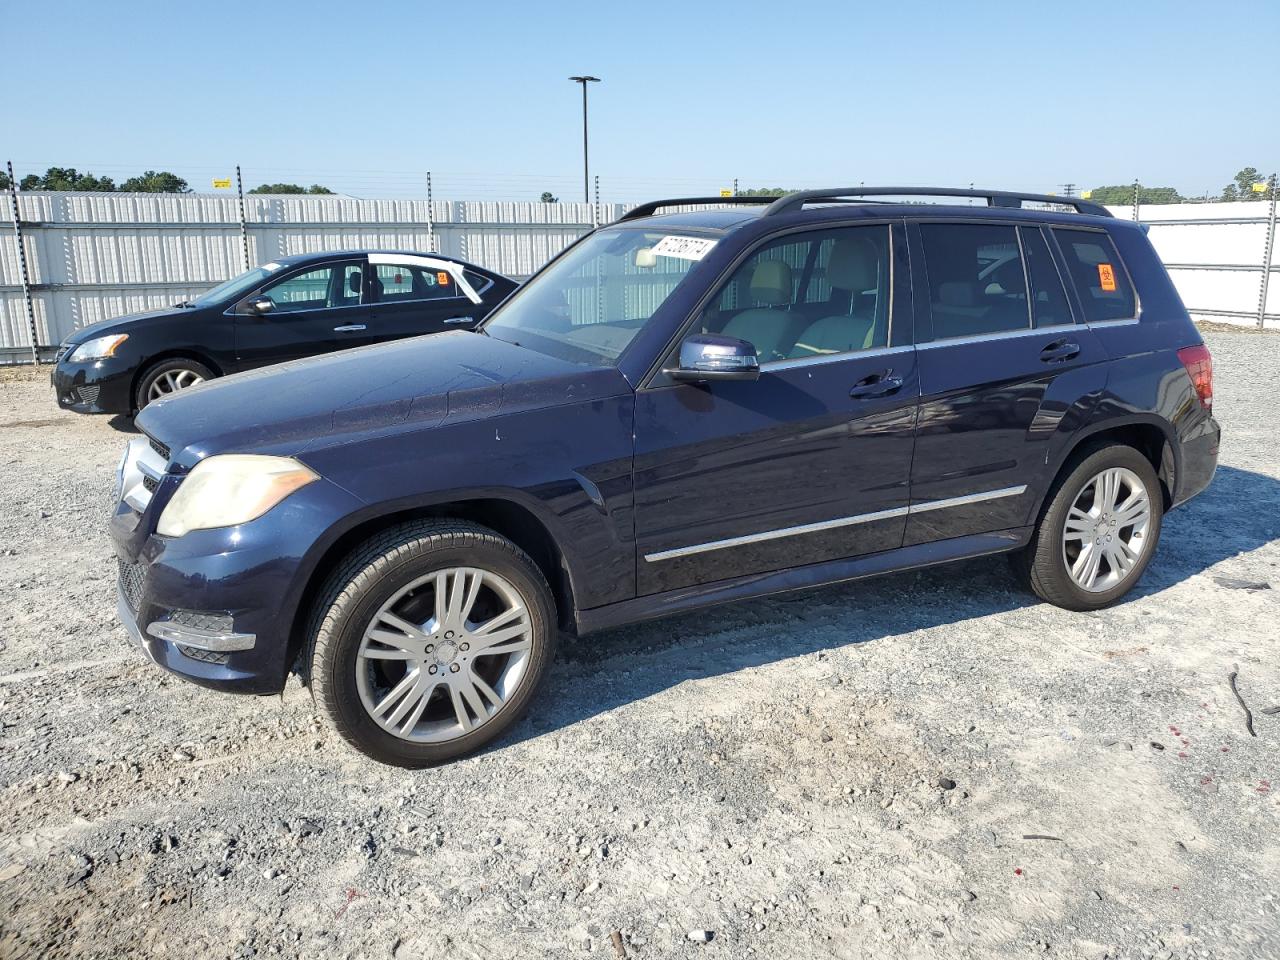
(994, 198)
(648, 209)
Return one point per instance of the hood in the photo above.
(421, 382)
(121, 324)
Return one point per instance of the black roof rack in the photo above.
(648, 209)
(994, 198)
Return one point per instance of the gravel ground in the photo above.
(924, 765)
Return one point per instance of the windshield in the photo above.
(236, 287)
(590, 304)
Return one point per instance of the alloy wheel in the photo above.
(1106, 530)
(444, 654)
(171, 381)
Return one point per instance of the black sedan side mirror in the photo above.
(710, 356)
(261, 305)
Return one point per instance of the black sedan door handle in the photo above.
(880, 384)
(1060, 351)
(461, 320)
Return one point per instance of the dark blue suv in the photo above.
(679, 410)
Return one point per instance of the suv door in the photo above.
(316, 308)
(1003, 367)
(414, 295)
(812, 461)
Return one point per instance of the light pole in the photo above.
(586, 180)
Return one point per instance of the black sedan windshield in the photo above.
(236, 287)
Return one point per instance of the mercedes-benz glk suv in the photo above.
(680, 409)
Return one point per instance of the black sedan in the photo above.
(290, 308)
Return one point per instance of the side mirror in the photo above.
(710, 356)
(261, 305)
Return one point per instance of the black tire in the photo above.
(1042, 565)
(372, 576)
(174, 367)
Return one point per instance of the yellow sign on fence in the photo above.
(222, 184)
(1259, 188)
(726, 193)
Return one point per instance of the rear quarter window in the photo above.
(1099, 276)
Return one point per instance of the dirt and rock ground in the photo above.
(925, 765)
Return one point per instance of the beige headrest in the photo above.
(853, 264)
(645, 257)
(771, 282)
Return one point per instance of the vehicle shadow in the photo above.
(122, 423)
(1238, 513)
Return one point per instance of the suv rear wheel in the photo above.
(1098, 533)
(430, 641)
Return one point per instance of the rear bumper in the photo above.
(102, 386)
(1197, 459)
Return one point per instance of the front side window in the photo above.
(318, 289)
(808, 295)
(977, 284)
(1100, 277)
(394, 283)
(590, 303)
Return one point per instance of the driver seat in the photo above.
(770, 329)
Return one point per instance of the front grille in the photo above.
(132, 577)
(159, 448)
(88, 394)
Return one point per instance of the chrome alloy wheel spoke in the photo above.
(439, 679)
(1104, 535)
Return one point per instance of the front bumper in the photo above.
(217, 607)
(99, 386)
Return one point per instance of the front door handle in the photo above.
(461, 320)
(1060, 351)
(349, 328)
(880, 384)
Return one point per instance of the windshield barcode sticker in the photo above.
(683, 248)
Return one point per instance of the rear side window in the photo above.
(394, 283)
(977, 284)
(1100, 277)
(1049, 306)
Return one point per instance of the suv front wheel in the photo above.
(431, 641)
(1098, 533)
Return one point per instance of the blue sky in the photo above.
(367, 97)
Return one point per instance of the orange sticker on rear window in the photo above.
(1107, 277)
(442, 278)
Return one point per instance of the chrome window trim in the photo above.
(836, 523)
(1123, 322)
(793, 362)
(1003, 335)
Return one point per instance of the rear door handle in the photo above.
(1060, 351)
(349, 328)
(880, 384)
(461, 320)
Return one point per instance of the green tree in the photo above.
(4, 180)
(548, 197)
(1242, 186)
(155, 182)
(67, 178)
(764, 192)
(291, 188)
(1123, 194)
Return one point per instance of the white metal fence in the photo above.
(91, 256)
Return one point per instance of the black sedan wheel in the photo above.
(170, 376)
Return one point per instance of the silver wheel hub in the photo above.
(1106, 530)
(444, 655)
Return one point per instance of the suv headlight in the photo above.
(99, 348)
(232, 488)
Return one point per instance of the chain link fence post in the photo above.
(1266, 256)
(244, 230)
(26, 277)
(431, 230)
(1135, 201)
(595, 207)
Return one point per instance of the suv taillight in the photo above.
(1199, 366)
